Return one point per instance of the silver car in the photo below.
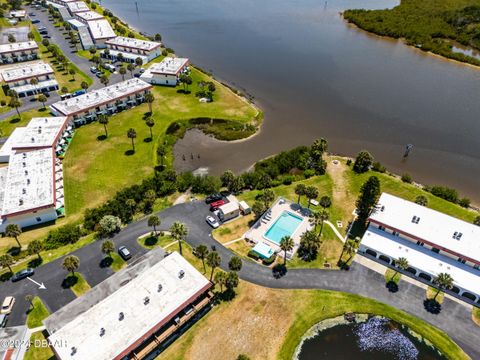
(212, 222)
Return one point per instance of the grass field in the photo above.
(285, 315)
(392, 275)
(95, 169)
(37, 314)
(77, 284)
(432, 292)
(8, 125)
(39, 350)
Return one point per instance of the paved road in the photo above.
(58, 38)
(454, 319)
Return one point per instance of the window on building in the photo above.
(435, 250)
(381, 227)
(461, 260)
(38, 219)
(476, 267)
(419, 243)
(396, 233)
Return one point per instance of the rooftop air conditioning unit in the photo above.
(181, 274)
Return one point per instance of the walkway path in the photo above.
(340, 236)
(454, 319)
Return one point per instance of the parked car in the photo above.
(213, 198)
(212, 221)
(124, 253)
(47, 37)
(216, 204)
(93, 69)
(65, 96)
(22, 274)
(35, 21)
(142, 70)
(3, 320)
(43, 32)
(7, 305)
(99, 74)
(78, 93)
(41, 28)
(137, 75)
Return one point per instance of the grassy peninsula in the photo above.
(430, 25)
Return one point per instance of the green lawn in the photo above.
(95, 169)
(37, 314)
(117, 262)
(39, 350)
(392, 275)
(77, 284)
(8, 125)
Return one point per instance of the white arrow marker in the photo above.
(40, 286)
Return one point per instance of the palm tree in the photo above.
(131, 204)
(138, 61)
(72, 72)
(214, 261)
(312, 193)
(34, 83)
(300, 191)
(443, 281)
(15, 103)
(150, 123)
(7, 260)
(71, 263)
(42, 98)
(349, 249)
(235, 263)
(154, 221)
(179, 232)
(108, 247)
(131, 68)
(286, 244)
(84, 85)
(35, 247)
(220, 278)
(402, 264)
(323, 216)
(149, 99)
(132, 134)
(201, 251)
(103, 119)
(122, 72)
(104, 80)
(161, 152)
(14, 231)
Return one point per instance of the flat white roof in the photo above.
(3, 181)
(229, 207)
(77, 6)
(89, 15)
(421, 258)
(30, 181)
(76, 23)
(133, 43)
(19, 46)
(41, 132)
(83, 332)
(18, 13)
(128, 55)
(26, 71)
(101, 29)
(29, 87)
(168, 66)
(101, 96)
(15, 136)
(433, 227)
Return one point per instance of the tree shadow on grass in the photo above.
(101, 137)
(35, 262)
(432, 306)
(43, 109)
(279, 271)
(392, 286)
(69, 281)
(129, 152)
(147, 140)
(6, 276)
(182, 91)
(14, 120)
(106, 262)
(14, 251)
(151, 241)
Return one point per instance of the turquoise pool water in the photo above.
(285, 225)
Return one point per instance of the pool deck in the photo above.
(257, 231)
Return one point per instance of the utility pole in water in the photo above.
(408, 148)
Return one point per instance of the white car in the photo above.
(7, 305)
(212, 222)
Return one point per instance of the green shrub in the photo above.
(309, 173)
(407, 178)
(253, 255)
(270, 260)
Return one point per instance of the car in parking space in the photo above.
(22, 274)
(7, 305)
(137, 75)
(213, 198)
(35, 21)
(124, 253)
(41, 28)
(99, 74)
(93, 69)
(212, 221)
(46, 36)
(216, 204)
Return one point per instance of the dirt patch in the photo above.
(256, 326)
(341, 194)
(233, 230)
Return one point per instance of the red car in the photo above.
(216, 204)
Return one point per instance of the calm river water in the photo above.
(314, 75)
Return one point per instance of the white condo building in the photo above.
(131, 49)
(431, 241)
(101, 31)
(31, 186)
(166, 72)
(108, 100)
(18, 52)
(19, 77)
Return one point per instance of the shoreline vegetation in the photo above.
(448, 28)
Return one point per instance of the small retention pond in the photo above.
(372, 338)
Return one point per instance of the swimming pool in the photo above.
(285, 225)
